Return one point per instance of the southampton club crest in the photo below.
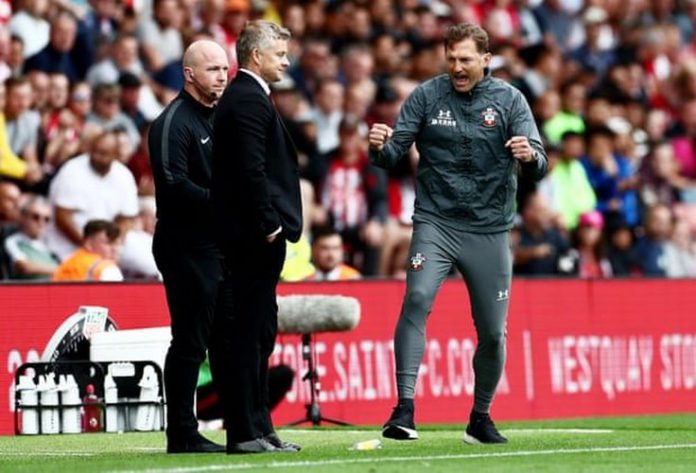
(490, 117)
(417, 261)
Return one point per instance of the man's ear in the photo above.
(256, 56)
(188, 74)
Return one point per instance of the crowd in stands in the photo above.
(612, 85)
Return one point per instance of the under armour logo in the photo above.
(205, 140)
(503, 295)
(446, 114)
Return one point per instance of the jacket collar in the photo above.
(257, 78)
(189, 98)
(480, 86)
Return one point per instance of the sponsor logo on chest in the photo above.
(444, 118)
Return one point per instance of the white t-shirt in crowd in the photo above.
(79, 188)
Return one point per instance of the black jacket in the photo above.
(255, 186)
(181, 148)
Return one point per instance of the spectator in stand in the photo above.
(123, 57)
(11, 166)
(100, 26)
(160, 36)
(659, 177)
(684, 141)
(680, 252)
(541, 245)
(131, 87)
(5, 45)
(557, 24)
(29, 256)
(29, 24)
(40, 86)
(22, 125)
(80, 103)
(592, 261)
(95, 259)
(57, 55)
(620, 249)
(311, 66)
(60, 130)
(90, 186)
(237, 13)
(327, 114)
(107, 113)
(597, 51)
(15, 56)
(569, 191)
(327, 256)
(357, 66)
(543, 70)
(569, 118)
(10, 197)
(611, 177)
(650, 249)
(136, 259)
(354, 197)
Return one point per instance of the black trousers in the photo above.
(280, 380)
(191, 279)
(244, 334)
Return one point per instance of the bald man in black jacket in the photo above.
(180, 145)
(256, 200)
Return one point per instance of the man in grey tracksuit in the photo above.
(473, 133)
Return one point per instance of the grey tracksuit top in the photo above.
(466, 178)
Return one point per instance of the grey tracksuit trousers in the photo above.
(485, 261)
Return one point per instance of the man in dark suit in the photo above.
(256, 199)
(184, 243)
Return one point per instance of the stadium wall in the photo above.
(575, 347)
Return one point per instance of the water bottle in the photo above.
(70, 404)
(50, 416)
(28, 399)
(147, 410)
(111, 398)
(91, 411)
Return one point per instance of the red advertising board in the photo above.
(575, 347)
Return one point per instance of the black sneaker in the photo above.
(194, 443)
(481, 429)
(400, 425)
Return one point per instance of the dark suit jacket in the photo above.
(255, 186)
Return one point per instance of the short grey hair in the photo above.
(31, 201)
(258, 34)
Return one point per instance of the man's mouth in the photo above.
(461, 80)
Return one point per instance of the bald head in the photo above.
(205, 71)
(200, 50)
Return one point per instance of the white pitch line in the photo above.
(522, 431)
(307, 463)
(558, 431)
(47, 454)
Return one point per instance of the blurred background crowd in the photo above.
(612, 85)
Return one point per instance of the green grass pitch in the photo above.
(653, 444)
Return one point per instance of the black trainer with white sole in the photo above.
(481, 429)
(400, 425)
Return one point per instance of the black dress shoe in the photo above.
(193, 444)
(274, 440)
(258, 445)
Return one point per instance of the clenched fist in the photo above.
(378, 136)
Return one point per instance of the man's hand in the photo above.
(521, 149)
(378, 136)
